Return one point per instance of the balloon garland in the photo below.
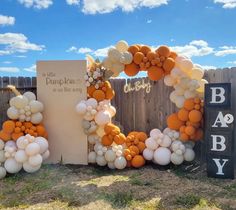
(109, 146)
(23, 142)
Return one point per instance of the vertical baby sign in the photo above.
(60, 86)
(219, 130)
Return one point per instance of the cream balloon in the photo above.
(12, 166)
(202, 83)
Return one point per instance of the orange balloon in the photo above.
(8, 126)
(183, 114)
(163, 51)
(195, 116)
(155, 73)
(131, 69)
(174, 122)
(99, 95)
(145, 49)
(138, 161)
(169, 64)
(190, 130)
(138, 57)
(189, 104)
(133, 49)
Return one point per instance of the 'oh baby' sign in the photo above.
(219, 132)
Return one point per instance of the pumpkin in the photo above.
(195, 116)
(163, 51)
(138, 161)
(138, 57)
(155, 73)
(183, 114)
(174, 122)
(131, 69)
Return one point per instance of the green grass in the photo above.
(187, 201)
(119, 199)
(139, 182)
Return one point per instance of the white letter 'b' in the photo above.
(219, 97)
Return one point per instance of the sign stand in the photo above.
(219, 130)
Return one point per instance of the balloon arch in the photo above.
(175, 143)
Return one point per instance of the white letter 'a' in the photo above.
(218, 140)
(220, 96)
(220, 119)
(219, 166)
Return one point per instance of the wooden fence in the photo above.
(135, 110)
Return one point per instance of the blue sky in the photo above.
(32, 30)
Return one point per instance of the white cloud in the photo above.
(82, 50)
(194, 48)
(232, 62)
(38, 4)
(15, 42)
(107, 6)
(7, 62)
(208, 67)
(149, 21)
(6, 20)
(227, 4)
(73, 2)
(226, 50)
(102, 52)
(9, 69)
(31, 68)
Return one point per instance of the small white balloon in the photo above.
(151, 143)
(120, 162)
(162, 156)
(43, 143)
(21, 156)
(148, 154)
(12, 166)
(3, 172)
(32, 149)
(46, 155)
(177, 159)
(101, 161)
(35, 160)
(110, 156)
(29, 168)
(189, 155)
(92, 157)
(31, 96)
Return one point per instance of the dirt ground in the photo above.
(89, 187)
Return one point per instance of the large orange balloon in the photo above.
(174, 122)
(155, 73)
(131, 69)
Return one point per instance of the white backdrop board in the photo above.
(60, 86)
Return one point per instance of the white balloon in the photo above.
(36, 118)
(20, 101)
(93, 138)
(36, 106)
(32, 149)
(102, 118)
(46, 155)
(1, 144)
(189, 155)
(114, 55)
(120, 162)
(111, 165)
(155, 132)
(162, 156)
(12, 166)
(43, 143)
(166, 141)
(31, 96)
(169, 80)
(35, 160)
(179, 102)
(92, 102)
(197, 73)
(110, 156)
(2, 156)
(21, 156)
(173, 96)
(101, 161)
(122, 46)
(100, 131)
(13, 113)
(3, 172)
(177, 159)
(151, 143)
(81, 108)
(22, 142)
(148, 154)
(126, 58)
(29, 168)
(92, 157)
(112, 111)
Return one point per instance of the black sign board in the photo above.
(219, 132)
